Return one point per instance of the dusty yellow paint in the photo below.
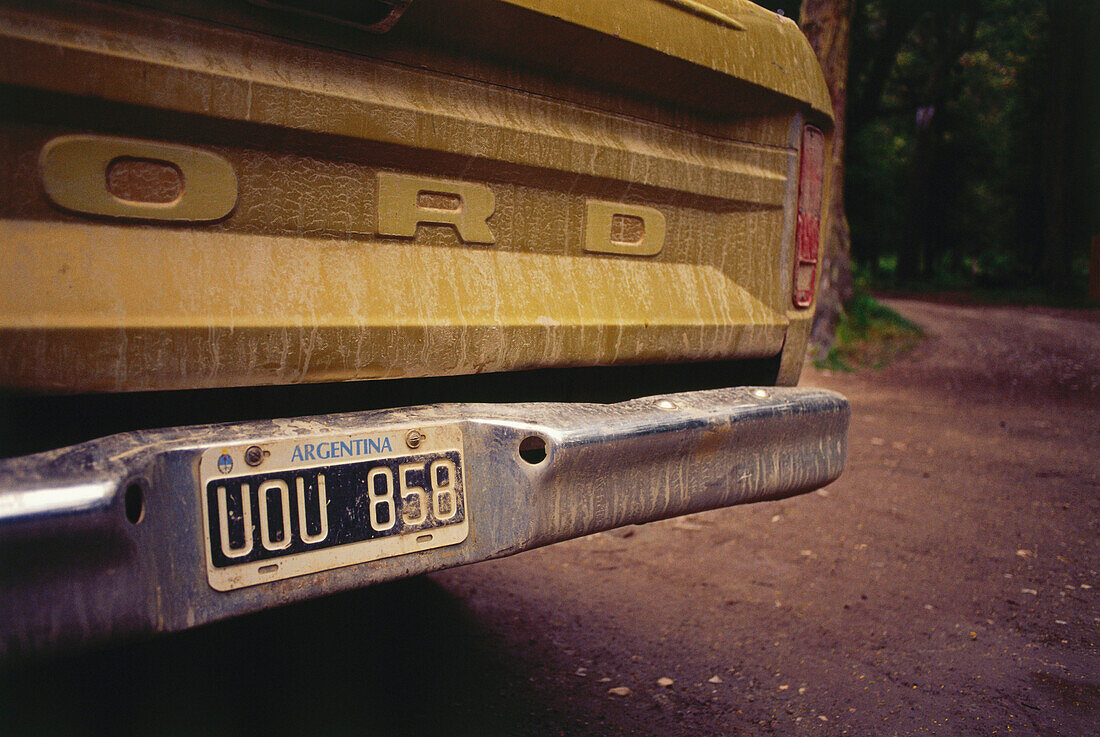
(705, 11)
(753, 44)
(332, 265)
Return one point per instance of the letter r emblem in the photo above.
(400, 208)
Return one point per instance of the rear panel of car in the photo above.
(225, 194)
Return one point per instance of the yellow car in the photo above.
(548, 265)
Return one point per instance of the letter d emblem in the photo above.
(598, 225)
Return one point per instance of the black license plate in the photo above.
(298, 516)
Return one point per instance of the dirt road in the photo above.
(947, 584)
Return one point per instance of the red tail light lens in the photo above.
(811, 179)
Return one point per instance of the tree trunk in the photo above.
(1071, 155)
(827, 24)
(916, 232)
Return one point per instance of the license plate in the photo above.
(291, 507)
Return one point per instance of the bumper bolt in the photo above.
(413, 439)
(254, 456)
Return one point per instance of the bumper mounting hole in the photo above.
(134, 503)
(533, 449)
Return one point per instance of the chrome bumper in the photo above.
(75, 567)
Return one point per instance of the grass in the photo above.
(869, 335)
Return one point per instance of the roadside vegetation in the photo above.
(869, 335)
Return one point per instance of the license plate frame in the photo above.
(386, 493)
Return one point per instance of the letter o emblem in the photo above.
(74, 176)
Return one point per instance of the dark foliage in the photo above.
(972, 139)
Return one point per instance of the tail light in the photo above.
(811, 178)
